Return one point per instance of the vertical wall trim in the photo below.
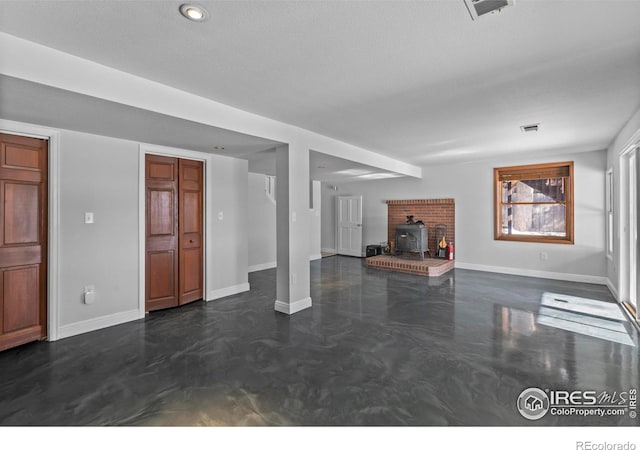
(142, 223)
(53, 251)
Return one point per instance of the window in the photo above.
(609, 207)
(534, 203)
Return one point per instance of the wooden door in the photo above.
(190, 228)
(174, 260)
(161, 232)
(23, 240)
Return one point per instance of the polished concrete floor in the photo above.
(377, 348)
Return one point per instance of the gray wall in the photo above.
(227, 250)
(262, 218)
(262, 232)
(471, 185)
(315, 220)
(98, 174)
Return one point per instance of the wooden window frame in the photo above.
(519, 172)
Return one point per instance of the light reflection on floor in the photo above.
(585, 316)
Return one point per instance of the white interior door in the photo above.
(349, 231)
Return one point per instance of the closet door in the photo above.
(162, 259)
(190, 228)
(23, 240)
(174, 211)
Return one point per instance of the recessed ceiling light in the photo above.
(194, 12)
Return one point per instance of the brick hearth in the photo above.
(431, 267)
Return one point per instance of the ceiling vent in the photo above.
(530, 128)
(478, 8)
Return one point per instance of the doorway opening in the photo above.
(630, 209)
(349, 225)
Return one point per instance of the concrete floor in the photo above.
(376, 348)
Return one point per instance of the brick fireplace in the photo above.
(431, 211)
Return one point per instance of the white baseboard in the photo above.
(227, 291)
(613, 289)
(97, 323)
(263, 266)
(273, 264)
(329, 250)
(534, 273)
(292, 308)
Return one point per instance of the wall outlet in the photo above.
(544, 256)
(220, 215)
(88, 217)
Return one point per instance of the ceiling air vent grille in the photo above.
(530, 128)
(478, 8)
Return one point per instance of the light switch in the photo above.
(89, 295)
(294, 217)
(220, 215)
(88, 217)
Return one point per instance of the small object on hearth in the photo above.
(450, 251)
(441, 244)
(373, 250)
(419, 222)
(442, 248)
(410, 220)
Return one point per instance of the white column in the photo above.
(292, 221)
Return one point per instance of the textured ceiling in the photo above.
(416, 80)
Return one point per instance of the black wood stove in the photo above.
(411, 238)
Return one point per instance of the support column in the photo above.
(292, 222)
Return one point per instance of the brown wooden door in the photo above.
(173, 231)
(23, 240)
(190, 228)
(161, 232)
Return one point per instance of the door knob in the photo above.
(190, 241)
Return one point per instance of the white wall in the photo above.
(262, 232)
(630, 132)
(471, 185)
